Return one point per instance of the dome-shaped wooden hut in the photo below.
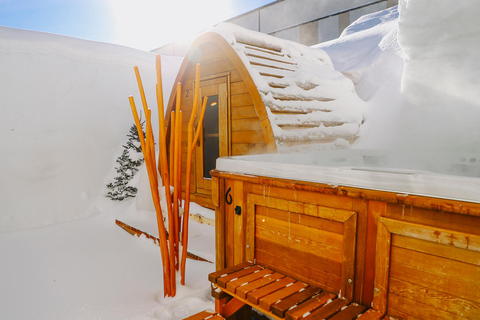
(265, 95)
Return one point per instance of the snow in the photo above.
(65, 116)
(92, 269)
(440, 82)
(293, 78)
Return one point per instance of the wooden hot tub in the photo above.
(404, 242)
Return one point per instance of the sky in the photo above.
(141, 24)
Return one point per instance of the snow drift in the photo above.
(440, 83)
(65, 114)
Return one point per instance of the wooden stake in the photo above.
(155, 196)
(189, 168)
(186, 210)
(172, 142)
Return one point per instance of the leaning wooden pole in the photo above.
(171, 173)
(190, 147)
(155, 197)
(163, 159)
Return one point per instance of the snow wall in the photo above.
(441, 41)
(65, 115)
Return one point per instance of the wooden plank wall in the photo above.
(410, 262)
(246, 132)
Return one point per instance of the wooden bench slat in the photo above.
(243, 290)
(267, 301)
(201, 315)
(350, 312)
(328, 310)
(256, 295)
(216, 317)
(371, 314)
(222, 281)
(212, 277)
(309, 306)
(232, 285)
(282, 306)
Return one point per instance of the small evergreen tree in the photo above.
(129, 161)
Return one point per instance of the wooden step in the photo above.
(204, 315)
(283, 297)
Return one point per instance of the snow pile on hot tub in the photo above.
(441, 41)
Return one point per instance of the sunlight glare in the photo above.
(148, 24)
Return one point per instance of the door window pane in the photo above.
(211, 149)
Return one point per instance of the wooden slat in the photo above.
(248, 148)
(233, 285)
(267, 301)
(382, 267)
(434, 299)
(312, 273)
(256, 295)
(241, 100)
(270, 58)
(309, 306)
(248, 137)
(231, 307)
(449, 252)
(434, 234)
(223, 280)
(244, 112)
(307, 208)
(238, 223)
(350, 312)
(298, 218)
(455, 287)
(282, 306)
(348, 264)
(375, 210)
(412, 309)
(212, 277)
(229, 224)
(317, 264)
(292, 190)
(371, 314)
(201, 315)
(438, 266)
(242, 291)
(245, 125)
(328, 310)
(298, 237)
(219, 230)
(238, 88)
(273, 52)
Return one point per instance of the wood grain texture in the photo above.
(309, 306)
(382, 268)
(328, 310)
(255, 296)
(267, 301)
(284, 305)
(243, 290)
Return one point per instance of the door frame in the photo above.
(204, 185)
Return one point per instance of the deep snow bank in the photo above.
(368, 53)
(65, 113)
(441, 41)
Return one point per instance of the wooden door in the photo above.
(214, 139)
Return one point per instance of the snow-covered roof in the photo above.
(309, 104)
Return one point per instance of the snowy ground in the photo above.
(93, 269)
